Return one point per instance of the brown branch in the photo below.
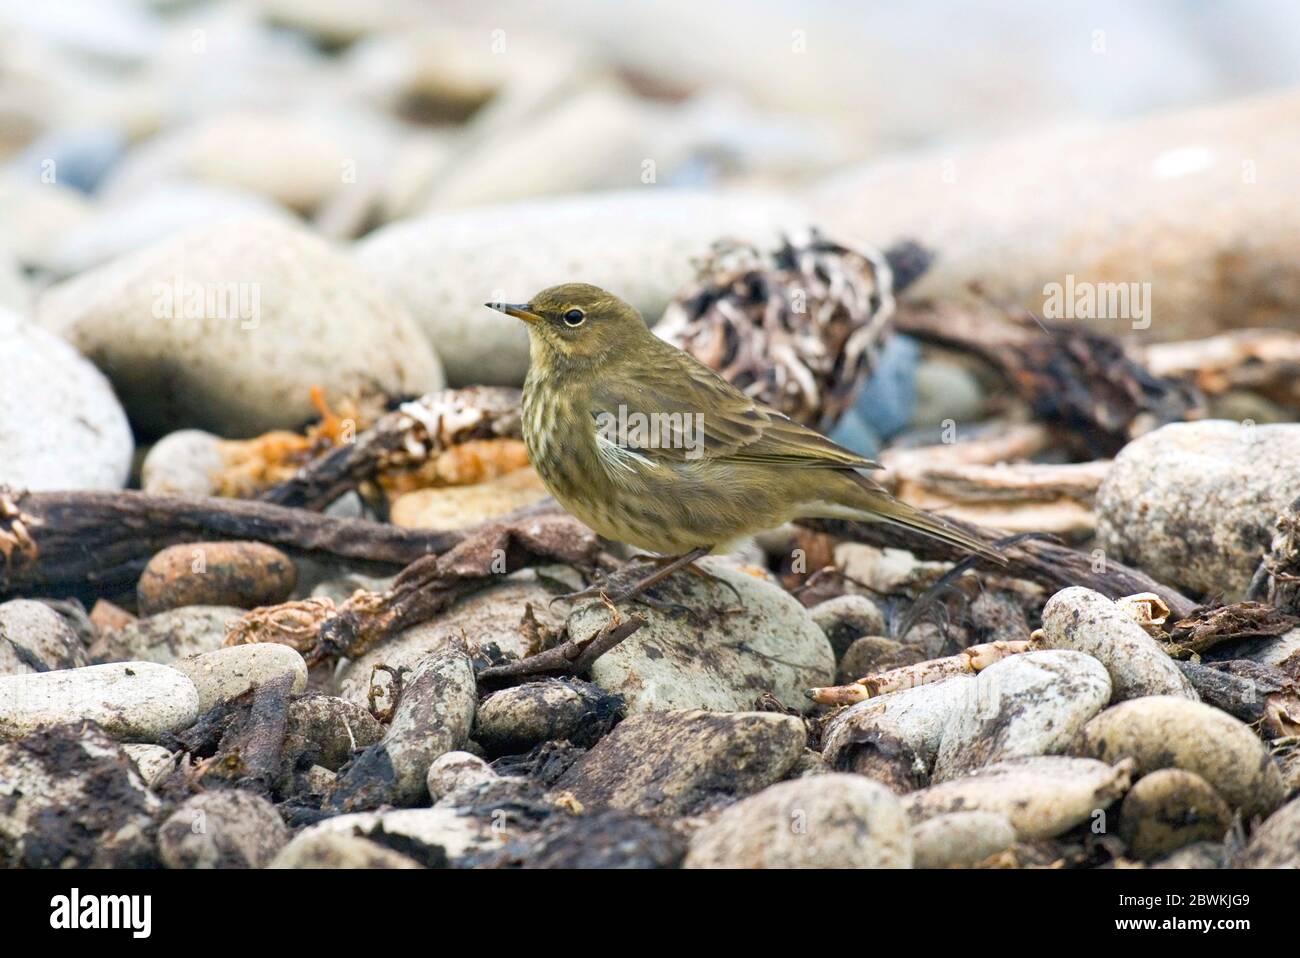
(62, 542)
(425, 587)
(571, 657)
(1068, 374)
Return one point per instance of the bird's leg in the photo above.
(667, 565)
(708, 576)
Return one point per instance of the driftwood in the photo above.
(402, 439)
(1020, 497)
(1265, 361)
(1048, 563)
(425, 588)
(1250, 691)
(1070, 375)
(1211, 626)
(71, 542)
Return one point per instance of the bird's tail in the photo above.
(867, 502)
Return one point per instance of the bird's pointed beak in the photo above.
(522, 311)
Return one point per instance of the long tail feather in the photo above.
(870, 503)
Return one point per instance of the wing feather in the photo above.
(692, 413)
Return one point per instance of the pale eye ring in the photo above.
(574, 317)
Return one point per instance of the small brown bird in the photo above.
(649, 447)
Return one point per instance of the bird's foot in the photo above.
(613, 589)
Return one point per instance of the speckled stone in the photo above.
(131, 701)
(827, 821)
(35, 638)
(676, 763)
(1042, 796)
(1161, 731)
(1168, 809)
(226, 673)
(1088, 622)
(1194, 503)
(1028, 704)
(222, 828)
(721, 660)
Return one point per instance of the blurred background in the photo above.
(454, 153)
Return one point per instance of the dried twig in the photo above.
(426, 586)
(402, 439)
(571, 657)
(976, 658)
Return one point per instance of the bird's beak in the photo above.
(522, 311)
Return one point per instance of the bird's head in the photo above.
(578, 324)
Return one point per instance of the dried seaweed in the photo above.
(798, 328)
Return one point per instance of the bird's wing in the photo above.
(688, 412)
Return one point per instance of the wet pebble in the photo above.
(1168, 809)
(434, 715)
(960, 839)
(132, 701)
(241, 574)
(1086, 621)
(1028, 704)
(1162, 731)
(681, 762)
(1042, 796)
(517, 718)
(232, 671)
(827, 821)
(70, 797)
(35, 638)
(223, 828)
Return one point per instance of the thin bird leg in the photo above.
(670, 564)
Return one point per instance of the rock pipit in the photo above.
(649, 447)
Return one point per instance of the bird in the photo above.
(649, 447)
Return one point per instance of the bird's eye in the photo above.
(574, 317)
